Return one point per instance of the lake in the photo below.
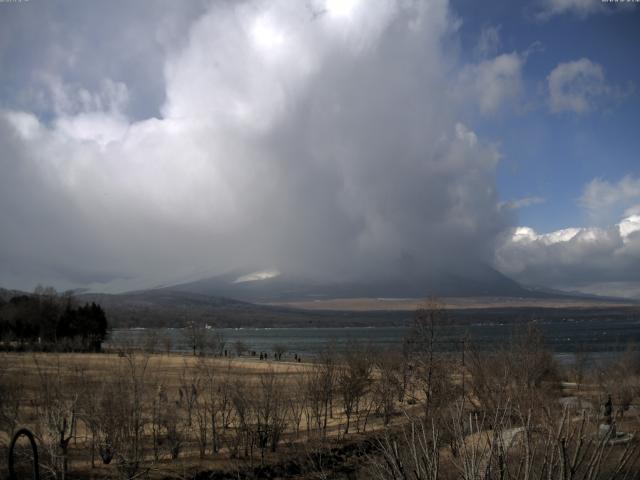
(602, 338)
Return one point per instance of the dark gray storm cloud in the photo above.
(324, 138)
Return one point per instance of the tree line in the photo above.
(47, 320)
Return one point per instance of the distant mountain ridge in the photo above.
(479, 281)
(249, 299)
(178, 305)
(171, 308)
(6, 294)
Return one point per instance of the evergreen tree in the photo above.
(48, 318)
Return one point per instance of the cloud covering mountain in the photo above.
(338, 140)
(312, 137)
(604, 261)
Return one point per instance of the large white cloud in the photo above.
(311, 138)
(601, 260)
(590, 259)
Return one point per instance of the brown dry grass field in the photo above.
(161, 416)
(71, 376)
(461, 303)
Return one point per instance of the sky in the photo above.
(148, 142)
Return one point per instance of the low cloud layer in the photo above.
(596, 260)
(602, 260)
(309, 137)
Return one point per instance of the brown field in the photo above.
(410, 304)
(71, 376)
(170, 371)
(161, 416)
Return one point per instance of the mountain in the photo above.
(171, 308)
(239, 298)
(479, 281)
(6, 295)
(168, 308)
(175, 307)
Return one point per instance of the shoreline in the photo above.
(366, 304)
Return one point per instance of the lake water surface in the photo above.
(600, 337)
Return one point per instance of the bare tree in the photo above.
(11, 398)
(327, 363)
(175, 431)
(494, 446)
(525, 372)
(202, 420)
(122, 419)
(620, 379)
(214, 405)
(240, 347)
(385, 387)
(315, 401)
(244, 436)
(151, 340)
(353, 380)
(421, 347)
(297, 402)
(578, 369)
(195, 336)
(167, 343)
(57, 411)
(270, 412)
(89, 407)
(278, 350)
(159, 405)
(415, 455)
(215, 342)
(188, 390)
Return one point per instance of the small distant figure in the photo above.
(608, 410)
(261, 356)
(298, 359)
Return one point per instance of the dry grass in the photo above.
(76, 375)
(410, 304)
(251, 383)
